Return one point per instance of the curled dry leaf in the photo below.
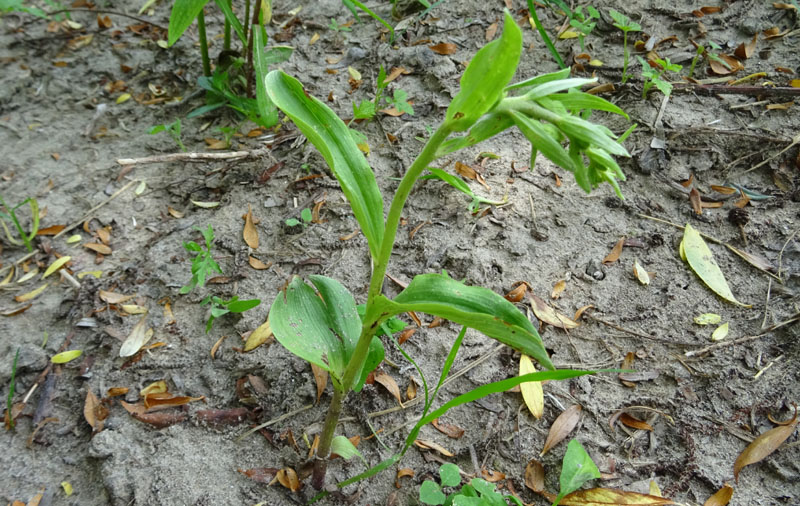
(616, 251)
(98, 248)
(518, 293)
(444, 48)
(562, 426)
(764, 445)
(582, 310)
(731, 65)
(694, 200)
(532, 392)
(25, 297)
(492, 476)
(133, 309)
(721, 498)
(260, 474)
(610, 496)
(634, 423)
(288, 478)
(258, 337)
(156, 387)
(165, 400)
(320, 378)
(389, 384)
(113, 297)
(411, 391)
(642, 275)
(257, 264)
(627, 363)
(430, 445)
(402, 473)
(534, 476)
(250, 233)
(745, 51)
(558, 289)
(116, 391)
(549, 315)
(94, 412)
(448, 429)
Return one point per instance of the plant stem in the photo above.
(624, 56)
(372, 316)
(249, 69)
(226, 43)
(201, 33)
(543, 34)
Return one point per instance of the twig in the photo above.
(194, 157)
(275, 420)
(95, 208)
(780, 255)
(717, 346)
(724, 89)
(633, 332)
(106, 11)
(795, 141)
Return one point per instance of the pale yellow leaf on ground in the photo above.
(136, 339)
(610, 496)
(642, 275)
(258, 337)
(56, 266)
(701, 260)
(558, 289)
(430, 445)
(65, 356)
(113, 297)
(720, 332)
(250, 233)
(721, 498)
(25, 297)
(549, 315)
(707, 319)
(532, 392)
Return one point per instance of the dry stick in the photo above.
(87, 215)
(275, 420)
(724, 89)
(633, 332)
(714, 347)
(713, 239)
(795, 141)
(194, 157)
(106, 11)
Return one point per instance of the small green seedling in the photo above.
(10, 399)
(203, 263)
(584, 24)
(366, 108)
(576, 469)
(697, 55)
(174, 131)
(478, 492)
(398, 101)
(319, 321)
(19, 6)
(461, 186)
(305, 216)
(625, 24)
(220, 307)
(336, 27)
(10, 214)
(653, 76)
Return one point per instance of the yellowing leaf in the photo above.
(113, 297)
(721, 498)
(609, 497)
(123, 98)
(204, 205)
(250, 233)
(140, 188)
(642, 275)
(558, 289)
(701, 260)
(134, 309)
(156, 387)
(258, 337)
(561, 427)
(720, 332)
(67, 488)
(65, 356)
(96, 274)
(56, 266)
(355, 74)
(532, 392)
(763, 446)
(549, 315)
(31, 295)
(707, 319)
(430, 445)
(288, 478)
(74, 238)
(568, 34)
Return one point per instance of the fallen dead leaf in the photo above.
(259, 336)
(549, 315)
(449, 430)
(558, 289)
(721, 498)
(444, 48)
(288, 478)
(257, 264)
(532, 393)
(411, 390)
(634, 423)
(492, 476)
(94, 412)
(402, 473)
(320, 378)
(534, 475)
(430, 445)
(98, 248)
(745, 51)
(616, 251)
(260, 474)
(389, 384)
(764, 445)
(610, 496)
(518, 293)
(250, 233)
(562, 426)
(113, 297)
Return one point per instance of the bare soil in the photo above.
(62, 130)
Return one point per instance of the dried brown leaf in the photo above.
(91, 409)
(389, 384)
(260, 474)
(430, 445)
(721, 498)
(558, 289)
(534, 475)
(98, 248)
(723, 70)
(320, 378)
(223, 417)
(402, 473)
(616, 251)
(562, 426)
(518, 293)
(581, 310)
(288, 478)
(113, 297)
(745, 51)
(449, 430)
(161, 420)
(166, 400)
(763, 446)
(627, 363)
(634, 423)
(257, 264)
(51, 230)
(694, 200)
(492, 476)
(610, 496)
(466, 171)
(444, 48)
(116, 391)
(250, 233)
(549, 315)
(491, 32)
(411, 391)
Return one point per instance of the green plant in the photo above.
(582, 23)
(625, 24)
(478, 492)
(173, 129)
(336, 27)
(10, 399)
(366, 108)
(543, 34)
(353, 4)
(398, 101)
(576, 469)
(203, 262)
(305, 216)
(697, 55)
(653, 75)
(19, 6)
(461, 186)
(320, 322)
(221, 307)
(11, 214)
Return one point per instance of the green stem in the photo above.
(372, 315)
(543, 34)
(201, 32)
(624, 56)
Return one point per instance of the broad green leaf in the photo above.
(553, 87)
(225, 7)
(542, 141)
(240, 306)
(277, 54)
(484, 129)
(489, 71)
(331, 137)
(576, 469)
(375, 356)
(450, 179)
(582, 100)
(344, 448)
(450, 475)
(476, 307)
(431, 493)
(266, 109)
(535, 81)
(590, 134)
(321, 329)
(701, 260)
(65, 356)
(182, 16)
